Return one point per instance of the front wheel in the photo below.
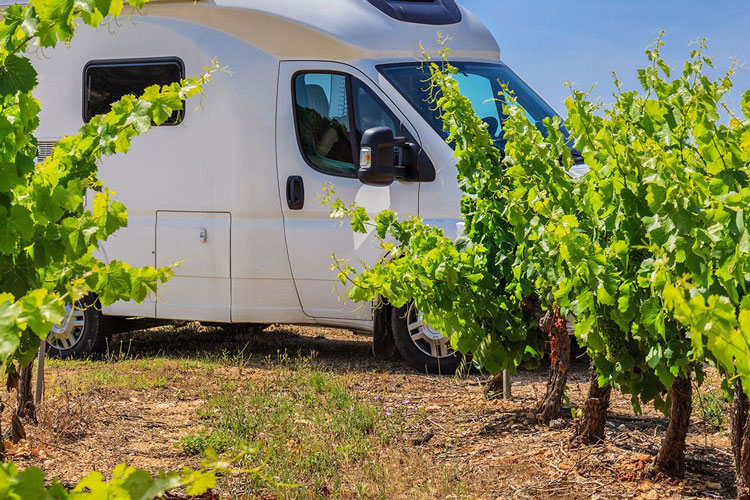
(82, 332)
(424, 347)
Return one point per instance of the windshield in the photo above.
(481, 83)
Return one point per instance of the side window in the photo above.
(323, 122)
(326, 125)
(105, 82)
(370, 111)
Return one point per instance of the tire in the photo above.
(424, 348)
(82, 333)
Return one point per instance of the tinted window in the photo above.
(325, 126)
(482, 83)
(323, 122)
(371, 112)
(106, 82)
(421, 11)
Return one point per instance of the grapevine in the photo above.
(648, 250)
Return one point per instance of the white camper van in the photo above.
(230, 188)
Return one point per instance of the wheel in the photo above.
(425, 348)
(81, 333)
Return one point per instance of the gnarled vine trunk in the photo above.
(494, 386)
(591, 427)
(671, 457)
(556, 327)
(25, 407)
(741, 441)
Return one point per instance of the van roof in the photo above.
(339, 30)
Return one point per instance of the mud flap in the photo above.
(383, 345)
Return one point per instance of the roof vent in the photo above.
(421, 11)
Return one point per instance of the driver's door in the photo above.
(323, 109)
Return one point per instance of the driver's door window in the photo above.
(325, 127)
(323, 122)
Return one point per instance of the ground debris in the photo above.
(136, 408)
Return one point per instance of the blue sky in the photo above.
(550, 42)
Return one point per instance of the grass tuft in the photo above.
(197, 444)
(712, 407)
(312, 426)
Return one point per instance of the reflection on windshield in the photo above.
(481, 83)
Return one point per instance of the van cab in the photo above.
(230, 186)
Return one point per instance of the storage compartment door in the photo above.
(201, 287)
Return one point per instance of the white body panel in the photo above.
(310, 233)
(201, 286)
(224, 168)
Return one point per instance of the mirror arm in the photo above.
(407, 169)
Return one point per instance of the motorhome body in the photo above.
(230, 187)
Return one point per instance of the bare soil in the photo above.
(136, 404)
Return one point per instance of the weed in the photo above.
(137, 375)
(712, 407)
(197, 444)
(313, 428)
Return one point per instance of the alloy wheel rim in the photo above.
(69, 332)
(428, 339)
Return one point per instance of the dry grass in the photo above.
(342, 425)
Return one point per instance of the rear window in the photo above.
(106, 82)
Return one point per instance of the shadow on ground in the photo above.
(338, 350)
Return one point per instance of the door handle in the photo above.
(295, 192)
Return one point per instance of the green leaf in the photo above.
(16, 75)
(41, 310)
(649, 311)
(9, 332)
(200, 482)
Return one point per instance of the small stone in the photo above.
(557, 423)
(713, 486)
(650, 495)
(423, 439)
(611, 425)
(622, 428)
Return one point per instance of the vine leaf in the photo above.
(16, 75)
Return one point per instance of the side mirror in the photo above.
(377, 157)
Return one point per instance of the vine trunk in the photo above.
(25, 407)
(671, 457)
(556, 327)
(591, 428)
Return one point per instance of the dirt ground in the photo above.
(441, 438)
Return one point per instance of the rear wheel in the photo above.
(427, 349)
(82, 332)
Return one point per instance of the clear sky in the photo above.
(549, 42)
